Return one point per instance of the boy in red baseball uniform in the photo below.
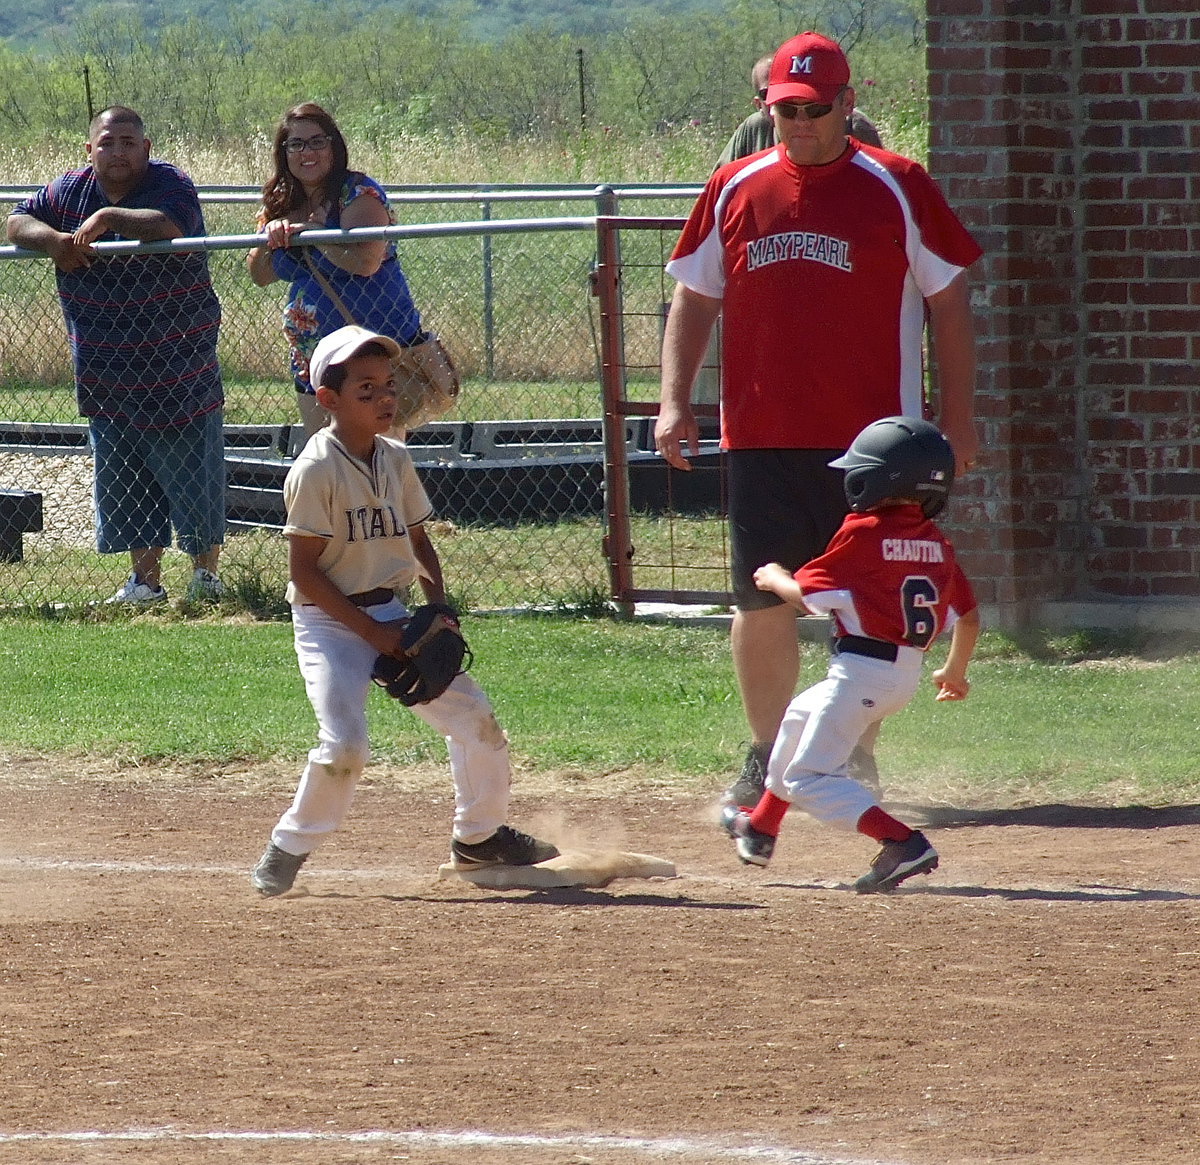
(891, 584)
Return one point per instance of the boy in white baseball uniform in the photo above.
(891, 583)
(356, 514)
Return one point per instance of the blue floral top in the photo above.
(380, 302)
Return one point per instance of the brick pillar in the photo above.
(1067, 136)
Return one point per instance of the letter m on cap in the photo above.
(801, 65)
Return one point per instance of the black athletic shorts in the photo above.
(784, 506)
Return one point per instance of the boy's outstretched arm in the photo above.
(779, 581)
(951, 677)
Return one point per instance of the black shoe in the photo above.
(753, 847)
(895, 862)
(748, 788)
(506, 847)
(276, 871)
(727, 816)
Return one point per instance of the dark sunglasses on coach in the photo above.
(812, 111)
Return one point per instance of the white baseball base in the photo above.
(572, 868)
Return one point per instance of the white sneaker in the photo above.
(205, 587)
(133, 590)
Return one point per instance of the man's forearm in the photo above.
(952, 330)
(685, 340)
(147, 226)
(23, 230)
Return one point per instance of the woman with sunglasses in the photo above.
(312, 187)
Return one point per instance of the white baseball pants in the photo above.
(336, 666)
(824, 723)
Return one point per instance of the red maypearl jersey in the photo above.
(823, 272)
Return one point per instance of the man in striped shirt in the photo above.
(143, 333)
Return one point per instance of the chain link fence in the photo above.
(556, 334)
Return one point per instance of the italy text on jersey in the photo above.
(366, 522)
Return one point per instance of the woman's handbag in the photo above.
(427, 384)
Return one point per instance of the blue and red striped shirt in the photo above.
(143, 328)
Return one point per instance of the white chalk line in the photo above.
(1116, 893)
(395, 873)
(707, 1149)
(111, 866)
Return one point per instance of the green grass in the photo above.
(153, 686)
(590, 698)
(68, 580)
(1061, 730)
(273, 402)
(491, 567)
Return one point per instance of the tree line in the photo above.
(37, 22)
(385, 72)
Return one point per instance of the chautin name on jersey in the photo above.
(912, 550)
(367, 522)
(816, 248)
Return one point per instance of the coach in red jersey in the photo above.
(824, 258)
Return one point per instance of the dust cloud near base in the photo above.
(571, 868)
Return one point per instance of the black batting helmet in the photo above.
(898, 457)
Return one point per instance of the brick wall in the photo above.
(1067, 135)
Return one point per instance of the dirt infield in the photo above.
(1033, 1000)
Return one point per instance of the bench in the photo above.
(20, 514)
(59, 439)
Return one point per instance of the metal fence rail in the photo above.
(524, 474)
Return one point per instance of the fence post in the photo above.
(582, 91)
(87, 92)
(489, 319)
(618, 542)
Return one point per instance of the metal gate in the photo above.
(665, 529)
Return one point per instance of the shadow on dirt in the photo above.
(1051, 816)
(580, 896)
(1091, 892)
(551, 896)
(1087, 893)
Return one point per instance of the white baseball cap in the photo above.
(339, 346)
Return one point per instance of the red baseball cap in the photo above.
(809, 67)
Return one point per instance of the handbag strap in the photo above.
(327, 287)
(337, 302)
